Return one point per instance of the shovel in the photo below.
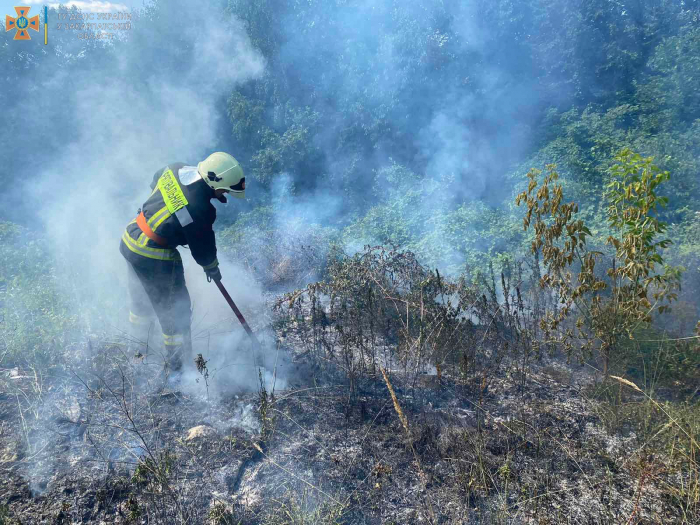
(256, 343)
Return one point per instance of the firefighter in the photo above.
(179, 212)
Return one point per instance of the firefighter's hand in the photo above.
(213, 274)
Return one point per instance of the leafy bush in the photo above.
(382, 308)
(420, 215)
(279, 252)
(613, 307)
(36, 320)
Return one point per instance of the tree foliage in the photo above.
(611, 306)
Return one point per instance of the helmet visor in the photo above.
(238, 187)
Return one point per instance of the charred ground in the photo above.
(409, 398)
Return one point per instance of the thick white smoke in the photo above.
(133, 120)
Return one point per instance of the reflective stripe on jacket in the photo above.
(183, 216)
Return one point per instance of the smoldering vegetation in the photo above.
(444, 340)
(409, 397)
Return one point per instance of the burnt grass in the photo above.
(523, 440)
(523, 450)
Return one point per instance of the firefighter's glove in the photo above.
(213, 274)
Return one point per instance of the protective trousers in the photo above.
(159, 286)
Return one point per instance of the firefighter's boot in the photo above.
(177, 349)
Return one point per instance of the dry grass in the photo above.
(476, 427)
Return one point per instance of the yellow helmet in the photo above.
(221, 171)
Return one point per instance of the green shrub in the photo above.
(610, 308)
(279, 252)
(36, 320)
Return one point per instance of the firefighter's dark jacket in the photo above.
(137, 248)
